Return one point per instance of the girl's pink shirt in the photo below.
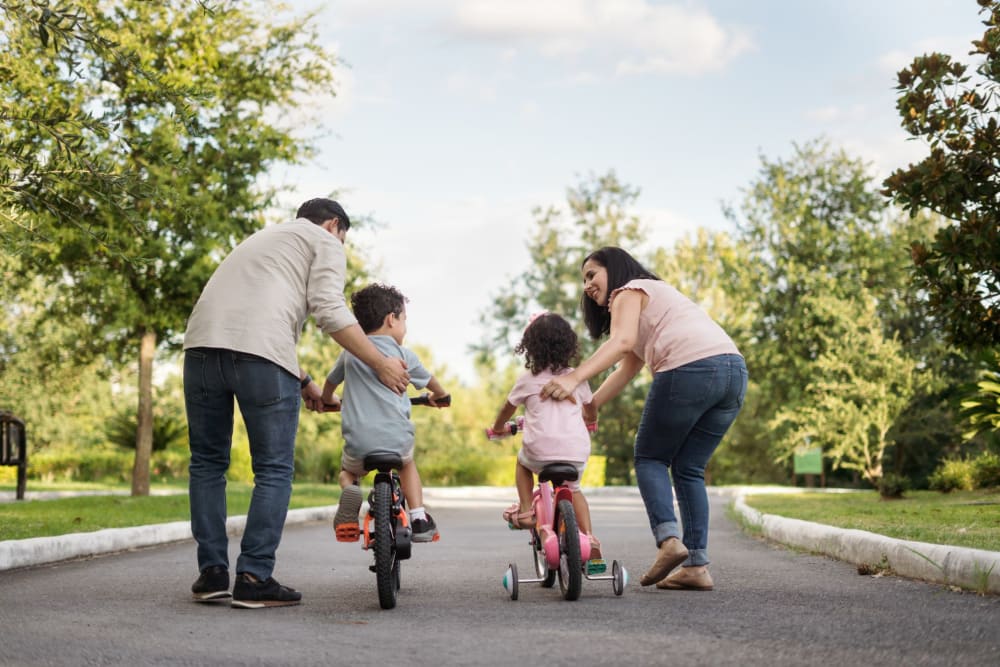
(673, 330)
(553, 430)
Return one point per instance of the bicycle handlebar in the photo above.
(425, 399)
(515, 425)
(422, 399)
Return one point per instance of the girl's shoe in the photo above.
(519, 520)
(596, 564)
(688, 578)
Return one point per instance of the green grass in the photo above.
(43, 518)
(961, 518)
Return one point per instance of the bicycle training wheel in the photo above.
(570, 565)
(386, 565)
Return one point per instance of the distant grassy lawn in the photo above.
(961, 518)
(43, 518)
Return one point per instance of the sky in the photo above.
(454, 119)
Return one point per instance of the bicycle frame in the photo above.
(545, 503)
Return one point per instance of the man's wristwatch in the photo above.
(304, 382)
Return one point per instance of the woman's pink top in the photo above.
(673, 329)
(553, 430)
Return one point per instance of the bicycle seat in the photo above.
(383, 461)
(558, 473)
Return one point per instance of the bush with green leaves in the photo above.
(169, 431)
(953, 475)
(986, 470)
(892, 485)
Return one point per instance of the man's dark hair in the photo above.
(373, 302)
(319, 210)
(621, 267)
(549, 342)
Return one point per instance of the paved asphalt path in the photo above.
(771, 606)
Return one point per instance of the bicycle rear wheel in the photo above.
(386, 564)
(570, 564)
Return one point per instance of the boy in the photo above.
(374, 417)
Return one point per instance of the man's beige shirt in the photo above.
(259, 297)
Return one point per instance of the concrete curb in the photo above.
(973, 569)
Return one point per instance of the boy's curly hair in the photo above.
(549, 342)
(373, 302)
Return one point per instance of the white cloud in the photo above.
(637, 35)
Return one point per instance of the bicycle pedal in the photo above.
(597, 566)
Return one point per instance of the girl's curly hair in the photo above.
(549, 342)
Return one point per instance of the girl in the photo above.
(699, 383)
(553, 430)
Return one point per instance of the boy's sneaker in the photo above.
(345, 521)
(213, 584)
(424, 530)
(249, 593)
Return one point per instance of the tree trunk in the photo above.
(144, 430)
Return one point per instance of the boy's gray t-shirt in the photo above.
(373, 417)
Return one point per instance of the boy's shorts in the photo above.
(536, 467)
(357, 466)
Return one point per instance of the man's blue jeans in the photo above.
(269, 399)
(688, 410)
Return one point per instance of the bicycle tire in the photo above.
(386, 573)
(570, 563)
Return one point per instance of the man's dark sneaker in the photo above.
(213, 584)
(424, 530)
(249, 593)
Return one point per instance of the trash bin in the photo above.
(14, 448)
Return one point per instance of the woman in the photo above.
(699, 382)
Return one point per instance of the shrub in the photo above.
(318, 462)
(986, 470)
(892, 485)
(95, 465)
(952, 475)
(168, 430)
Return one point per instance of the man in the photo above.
(241, 343)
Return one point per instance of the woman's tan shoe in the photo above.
(670, 554)
(688, 578)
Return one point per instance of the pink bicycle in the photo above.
(558, 546)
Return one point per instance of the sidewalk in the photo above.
(972, 569)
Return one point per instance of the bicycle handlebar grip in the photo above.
(424, 399)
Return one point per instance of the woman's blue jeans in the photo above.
(688, 410)
(269, 399)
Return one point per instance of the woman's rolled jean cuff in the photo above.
(696, 558)
(665, 531)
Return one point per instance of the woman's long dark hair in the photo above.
(621, 267)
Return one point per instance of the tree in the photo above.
(810, 224)
(863, 382)
(960, 179)
(48, 129)
(597, 215)
(135, 279)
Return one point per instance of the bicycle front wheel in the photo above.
(386, 565)
(570, 564)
